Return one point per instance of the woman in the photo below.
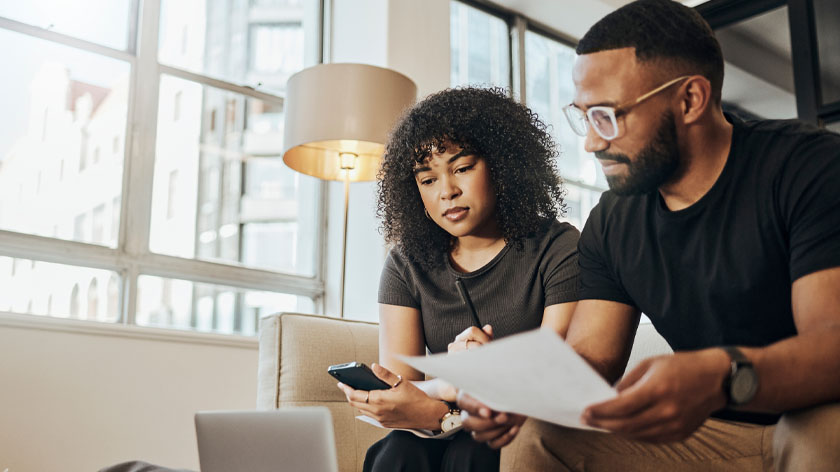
(468, 197)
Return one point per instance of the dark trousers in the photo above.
(401, 451)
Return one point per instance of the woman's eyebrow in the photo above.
(458, 155)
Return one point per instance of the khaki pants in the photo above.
(808, 440)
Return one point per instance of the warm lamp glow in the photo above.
(342, 108)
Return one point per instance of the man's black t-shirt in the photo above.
(720, 271)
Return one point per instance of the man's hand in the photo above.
(471, 338)
(492, 427)
(665, 398)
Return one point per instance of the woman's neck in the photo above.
(471, 253)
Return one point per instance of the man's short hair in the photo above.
(661, 30)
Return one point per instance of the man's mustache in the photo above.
(605, 156)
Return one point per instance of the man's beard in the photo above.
(652, 167)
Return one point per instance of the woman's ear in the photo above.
(695, 98)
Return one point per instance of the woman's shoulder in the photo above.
(557, 233)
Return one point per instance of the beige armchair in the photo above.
(296, 349)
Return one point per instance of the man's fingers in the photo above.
(504, 439)
(634, 375)
(631, 401)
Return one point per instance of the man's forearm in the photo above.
(797, 372)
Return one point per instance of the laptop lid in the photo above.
(290, 439)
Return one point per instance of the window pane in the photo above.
(834, 126)
(43, 288)
(108, 26)
(549, 88)
(62, 139)
(827, 21)
(221, 190)
(253, 43)
(480, 47)
(174, 303)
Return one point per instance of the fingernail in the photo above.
(484, 412)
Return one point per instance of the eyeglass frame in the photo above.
(613, 113)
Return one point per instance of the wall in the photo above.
(77, 395)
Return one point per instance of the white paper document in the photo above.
(423, 433)
(534, 373)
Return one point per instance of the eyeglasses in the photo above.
(603, 118)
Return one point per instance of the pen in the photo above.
(467, 300)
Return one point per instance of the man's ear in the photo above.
(695, 98)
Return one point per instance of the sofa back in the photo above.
(295, 351)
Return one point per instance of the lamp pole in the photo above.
(348, 163)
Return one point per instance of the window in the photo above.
(548, 87)
(233, 233)
(480, 47)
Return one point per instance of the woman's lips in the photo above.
(456, 214)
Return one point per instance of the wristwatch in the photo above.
(450, 420)
(742, 382)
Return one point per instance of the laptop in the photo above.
(285, 440)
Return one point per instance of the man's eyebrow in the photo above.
(599, 104)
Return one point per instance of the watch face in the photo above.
(449, 421)
(744, 385)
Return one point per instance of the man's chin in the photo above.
(623, 187)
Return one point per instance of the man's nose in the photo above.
(593, 141)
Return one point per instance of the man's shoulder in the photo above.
(612, 206)
(777, 133)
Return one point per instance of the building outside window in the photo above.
(216, 230)
(480, 47)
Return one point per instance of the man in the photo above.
(727, 236)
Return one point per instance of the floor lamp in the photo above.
(337, 119)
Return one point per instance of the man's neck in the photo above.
(704, 152)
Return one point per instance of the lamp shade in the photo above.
(338, 117)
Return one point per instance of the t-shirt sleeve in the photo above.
(597, 279)
(394, 288)
(810, 203)
(562, 271)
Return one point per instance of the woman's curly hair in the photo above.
(515, 144)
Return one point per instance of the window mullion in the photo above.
(215, 273)
(140, 158)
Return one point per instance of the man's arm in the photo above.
(602, 332)
(802, 371)
(667, 398)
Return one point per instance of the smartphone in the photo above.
(358, 376)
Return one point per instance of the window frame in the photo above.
(132, 257)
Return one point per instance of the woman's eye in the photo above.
(463, 169)
(426, 181)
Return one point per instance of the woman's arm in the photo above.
(408, 405)
(558, 317)
(400, 333)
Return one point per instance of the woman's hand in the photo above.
(471, 337)
(402, 406)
